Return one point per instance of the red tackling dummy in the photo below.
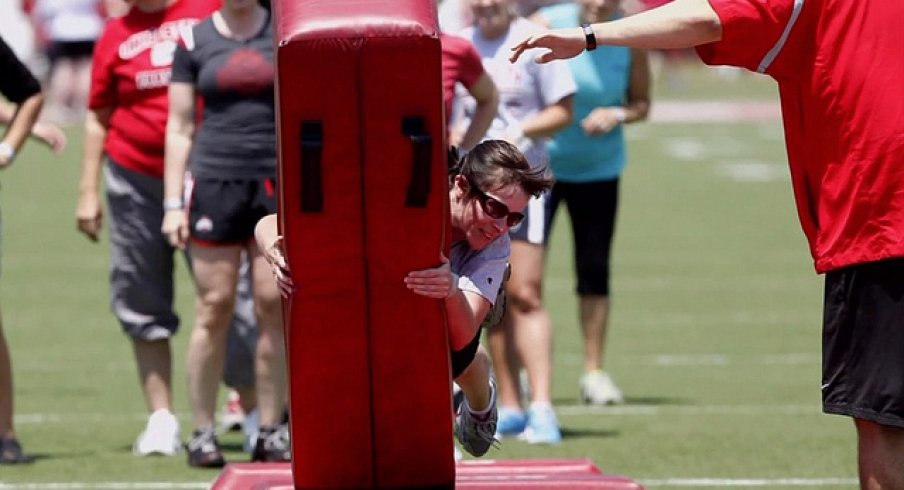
(363, 200)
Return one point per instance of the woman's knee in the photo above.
(523, 296)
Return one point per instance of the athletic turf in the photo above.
(714, 333)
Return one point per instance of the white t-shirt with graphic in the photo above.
(525, 87)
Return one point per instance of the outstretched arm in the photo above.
(679, 24)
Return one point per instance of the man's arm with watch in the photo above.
(679, 24)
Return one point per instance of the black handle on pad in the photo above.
(311, 139)
(421, 149)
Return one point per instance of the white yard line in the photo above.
(703, 111)
(649, 483)
(750, 482)
(648, 410)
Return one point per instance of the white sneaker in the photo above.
(160, 435)
(250, 428)
(597, 388)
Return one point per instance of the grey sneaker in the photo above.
(11, 452)
(272, 445)
(477, 436)
(204, 449)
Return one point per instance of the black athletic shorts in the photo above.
(461, 359)
(70, 50)
(225, 212)
(863, 342)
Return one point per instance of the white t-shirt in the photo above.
(70, 20)
(525, 87)
(480, 271)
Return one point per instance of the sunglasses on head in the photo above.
(494, 208)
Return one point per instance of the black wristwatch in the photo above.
(589, 36)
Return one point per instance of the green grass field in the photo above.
(714, 337)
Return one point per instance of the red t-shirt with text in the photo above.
(130, 74)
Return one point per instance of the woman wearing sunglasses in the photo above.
(488, 191)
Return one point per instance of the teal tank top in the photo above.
(602, 78)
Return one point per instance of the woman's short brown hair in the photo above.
(496, 163)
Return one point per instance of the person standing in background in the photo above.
(68, 30)
(587, 159)
(535, 102)
(125, 126)
(231, 183)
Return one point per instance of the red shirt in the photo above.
(130, 74)
(461, 64)
(840, 70)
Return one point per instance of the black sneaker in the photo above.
(272, 445)
(11, 452)
(204, 450)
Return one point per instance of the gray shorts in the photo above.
(141, 264)
(533, 228)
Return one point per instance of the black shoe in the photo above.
(204, 450)
(272, 445)
(11, 452)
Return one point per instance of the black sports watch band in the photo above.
(589, 36)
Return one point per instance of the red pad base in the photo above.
(512, 474)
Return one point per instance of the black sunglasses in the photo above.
(494, 208)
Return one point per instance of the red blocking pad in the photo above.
(535, 474)
(538, 474)
(363, 201)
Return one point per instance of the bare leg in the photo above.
(216, 272)
(474, 381)
(880, 454)
(247, 398)
(154, 359)
(270, 362)
(532, 328)
(594, 322)
(6, 389)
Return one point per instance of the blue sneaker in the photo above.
(512, 422)
(542, 426)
